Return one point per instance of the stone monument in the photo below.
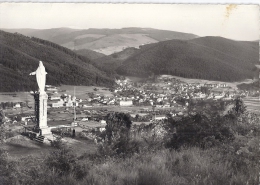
(41, 98)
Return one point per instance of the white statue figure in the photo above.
(40, 76)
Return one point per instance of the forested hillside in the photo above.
(125, 54)
(92, 55)
(212, 58)
(111, 62)
(20, 55)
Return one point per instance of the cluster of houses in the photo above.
(151, 93)
(164, 93)
(128, 93)
(99, 99)
(215, 85)
(64, 101)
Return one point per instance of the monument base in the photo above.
(47, 134)
(45, 131)
(48, 139)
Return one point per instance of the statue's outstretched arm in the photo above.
(33, 73)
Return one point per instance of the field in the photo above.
(233, 85)
(252, 103)
(134, 79)
(59, 116)
(82, 91)
(133, 109)
(16, 97)
(115, 43)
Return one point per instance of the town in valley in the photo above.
(129, 94)
(147, 101)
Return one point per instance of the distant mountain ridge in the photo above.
(20, 55)
(106, 41)
(212, 58)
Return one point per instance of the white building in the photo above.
(17, 105)
(58, 104)
(102, 128)
(103, 122)
(218, 96)
(126, 103)
(54, 97)
(51, 89)
(69, 104)
(159, 117)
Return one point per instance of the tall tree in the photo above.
(239, 106)
(2, 117)
(117, 135)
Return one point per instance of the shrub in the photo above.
(148, 175)
(64, 162)
(57, 142)
(8, 169)
(198, 130)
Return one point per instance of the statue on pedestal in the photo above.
(40, 77)
(41, 101)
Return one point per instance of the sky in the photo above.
(238, 22)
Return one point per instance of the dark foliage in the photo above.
(239, 107)
(199, 130)
(7, 169)
(117, 123)
(2, 117)
(117, 136)
(64, 162)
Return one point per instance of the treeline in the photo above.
(5, 105)
(251, 86)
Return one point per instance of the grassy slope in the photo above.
(20, 55)
(89, 54)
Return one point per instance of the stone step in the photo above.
(39, 139)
